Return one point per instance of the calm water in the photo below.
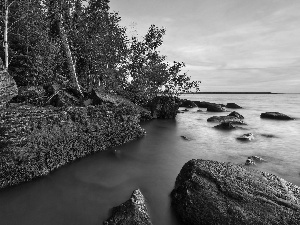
(83, 192)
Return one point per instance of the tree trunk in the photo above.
(70, 61)
(5, 35)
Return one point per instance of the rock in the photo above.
(225, 126)
(226, 119)
(252, 160)
(233, 106)
(187, 103)
(206, 104)
(8, 88)
(164, 107)
(37, 140)
(246, 137)
(210, 192)
(35, 95)
(132, 212)
(236, 114)
(185, 138)
(199, 110)
(276, 116)
(215, 108)
(268, 135)
(185, 110)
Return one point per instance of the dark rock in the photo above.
(185, 110)
(210, 192)
(233, 106)
(225, 126)
(252, 160)
(215, 108)
(203, 104)
(36, 140)
(187, 103)
(276, 116)
(132, 212)
(268, 135)
(185, 138)
(199, 110)
(236, 114)
(163, 107)
(8, 88)
(246, 137)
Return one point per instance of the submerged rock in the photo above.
(246, 137)
(185, 138)
(215, 108)
(233, 106)
(225, 126)
(268, 135)
(276, 116)
(132, 212)
(8, 88)
(252, 160)
(210, 192)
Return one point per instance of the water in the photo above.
(84, 191)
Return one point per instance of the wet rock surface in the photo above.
(233, 106)
(36, 140)
(275, 116)
(187, 103)
(132, 212)
(236, 114)
(225, 126)
(164, 107)
(210, 192)
(215, 108)
(8, 88)
(246, 137)
(252, 160)
(221, 119)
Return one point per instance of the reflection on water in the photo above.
(83, 192)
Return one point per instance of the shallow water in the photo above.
(83, 192)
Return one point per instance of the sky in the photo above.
(229, 45)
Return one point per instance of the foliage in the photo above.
(103, 54)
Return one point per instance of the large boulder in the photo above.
(132, 212)
(36, 140)
(8, 88)
(210, 192)
(164, 107)
(215, 108)
(233, 106)
(236, 114)
(276, 116)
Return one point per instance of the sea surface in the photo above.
(83, 192)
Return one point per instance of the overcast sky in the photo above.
(230, 45)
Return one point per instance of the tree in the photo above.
(150, 73)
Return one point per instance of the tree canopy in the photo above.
(60, 40)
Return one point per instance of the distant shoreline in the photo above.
(236, 93)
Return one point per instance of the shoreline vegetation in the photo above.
(81, 86)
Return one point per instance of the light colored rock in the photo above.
(210, 192)
(246, 137)
(132, 212)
